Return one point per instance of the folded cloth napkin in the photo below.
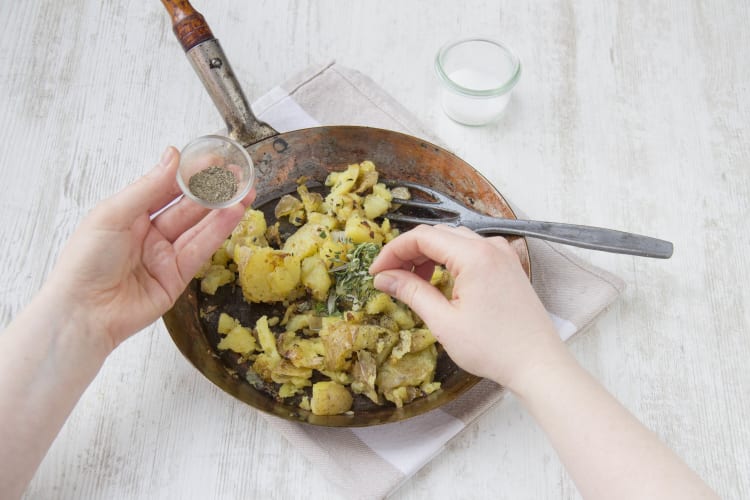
(383, 457)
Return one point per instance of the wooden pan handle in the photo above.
(188, 24)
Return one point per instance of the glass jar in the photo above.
(477, 75)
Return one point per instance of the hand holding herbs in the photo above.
(494, 325)
(491, 297)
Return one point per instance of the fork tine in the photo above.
(430, 221)
(430, 205)
(413, 185)
(441, 211)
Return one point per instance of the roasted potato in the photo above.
(330, 398)
(336, 327)
(267, 275)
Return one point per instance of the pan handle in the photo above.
(209, 62)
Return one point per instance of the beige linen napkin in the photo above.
(383, 457)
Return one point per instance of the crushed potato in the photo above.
(339, 336)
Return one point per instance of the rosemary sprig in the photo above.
(354, 283)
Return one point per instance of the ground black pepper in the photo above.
(213, 184)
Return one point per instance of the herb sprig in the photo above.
(354, 283)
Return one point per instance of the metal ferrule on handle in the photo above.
(213, 68)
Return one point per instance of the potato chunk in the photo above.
(315, 277)
(240, 340)
(250, 231)
(214, 277)
(330, 398)
(287, 205)
(396, 376)
(342, 338)
(267, 275)
(226, 323)
(364, 373)
(302, 352)
(266, 338)
(343, 182)
(306, 240)
(311, 201)
(361, 230)
(375, 206)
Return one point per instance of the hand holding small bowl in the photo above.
(215, 171)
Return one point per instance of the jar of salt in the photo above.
(477, 76)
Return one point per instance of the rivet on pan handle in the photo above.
(213, 68)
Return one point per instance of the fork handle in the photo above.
(594, 238)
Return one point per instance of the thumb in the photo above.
(150, 193)
(422, 297)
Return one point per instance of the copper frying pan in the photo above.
(280, 159)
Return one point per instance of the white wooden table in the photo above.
(633, 115)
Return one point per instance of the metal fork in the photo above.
(448, 211)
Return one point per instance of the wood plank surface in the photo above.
(633, 115)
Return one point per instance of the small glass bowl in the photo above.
(215, 150)
(478, 75)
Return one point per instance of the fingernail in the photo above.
(166, 156)
(385, 283)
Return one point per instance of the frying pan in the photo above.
(280, 159)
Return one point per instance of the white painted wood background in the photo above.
(632, 115)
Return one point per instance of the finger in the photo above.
(178, 218)
(459, 230)
(498, 242)
(419, 245)
(196, 245)
(468, 233)
(423, 298)
(410, 265)
(249, 198)
(425, 271)
(186, 213)
(151, 192)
